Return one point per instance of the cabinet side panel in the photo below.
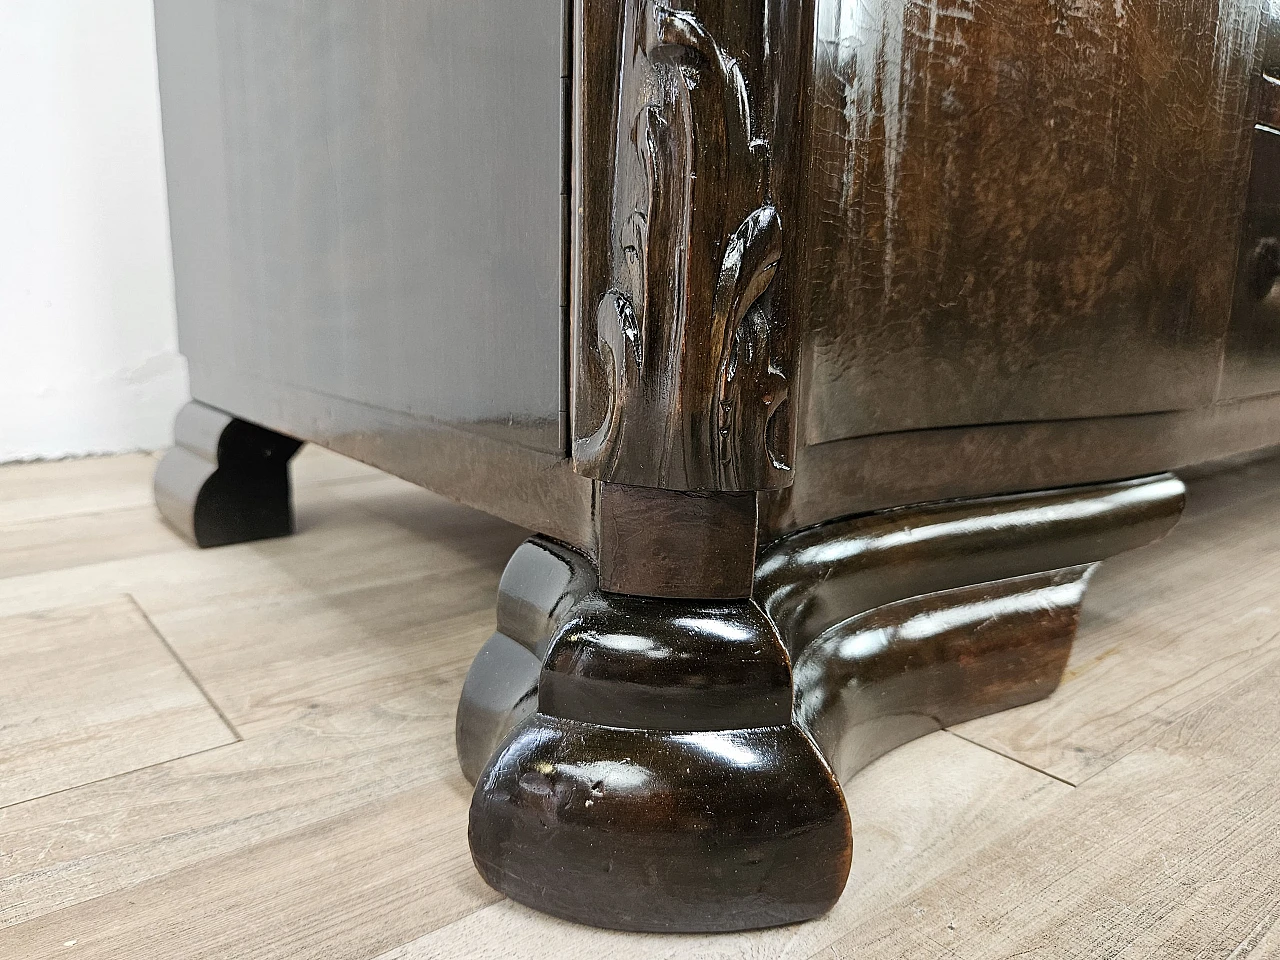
(366, 202)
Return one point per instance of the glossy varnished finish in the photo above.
(638, 830)
(900, 671)
(661, 784)
(668, 780)
(671, 543)
(864, 474)
(805, 236)
(1251, 359)
(540, 587)
(225, 481)
(535, 490)
(1020, 211)
(813, 579)
(683, 364)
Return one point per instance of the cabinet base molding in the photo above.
(675, 765)
(225, 480)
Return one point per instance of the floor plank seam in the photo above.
(1252, 653)
(1022, 763)
(213, 705)
(116, 776)
(339, 481)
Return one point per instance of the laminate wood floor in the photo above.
(248, 752)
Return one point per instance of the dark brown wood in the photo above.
(535, 490)
(663, 543)
(225, 481)
(900, 671)
(821, 259)
(1019, 211)
(884, 470)
(661, 784)
(540, 587)
(664, 780)
(813, 579)
(1251, 360)
(683, 368)
(663, 832)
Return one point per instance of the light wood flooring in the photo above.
(248, 752)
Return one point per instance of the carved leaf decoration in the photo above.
(686, 336)
(747, 269)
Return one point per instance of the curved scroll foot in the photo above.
(660, 765)
(656, 830)
(661, 784)
(225, 481)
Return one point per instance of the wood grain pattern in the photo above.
(1172, 852)
(88, 693)
(663, 543)
(78, 845)
(1019, 211)
(57, 543)
(683, 369)
(64, 488)
(313, 892)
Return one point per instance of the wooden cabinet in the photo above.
(824, 347)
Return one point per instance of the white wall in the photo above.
(88, 352)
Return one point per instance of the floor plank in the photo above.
(80, 844)
(1164, 629)
(65, 488)
(336, 828)
(350, 886)
(92, 692)
(1173, 851)
(60, 543)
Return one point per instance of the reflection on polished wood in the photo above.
(648, 764)
(1019, 211)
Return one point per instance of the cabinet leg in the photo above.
(225, 480)
(648, 763)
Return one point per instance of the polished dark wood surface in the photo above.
(883, 470)
(812, 579)
(1019, 211)
(1251, 360)
(244, 352)
(540, 587)
(225, 481)
(683, 364)
(366, 205)
(958, 654)
(661, 783)
(670, 543)
(651, 764)
(822, 258)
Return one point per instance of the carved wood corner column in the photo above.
(682, 356)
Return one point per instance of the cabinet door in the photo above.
(1251, 365)
(367, 204)
(1022, 210)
